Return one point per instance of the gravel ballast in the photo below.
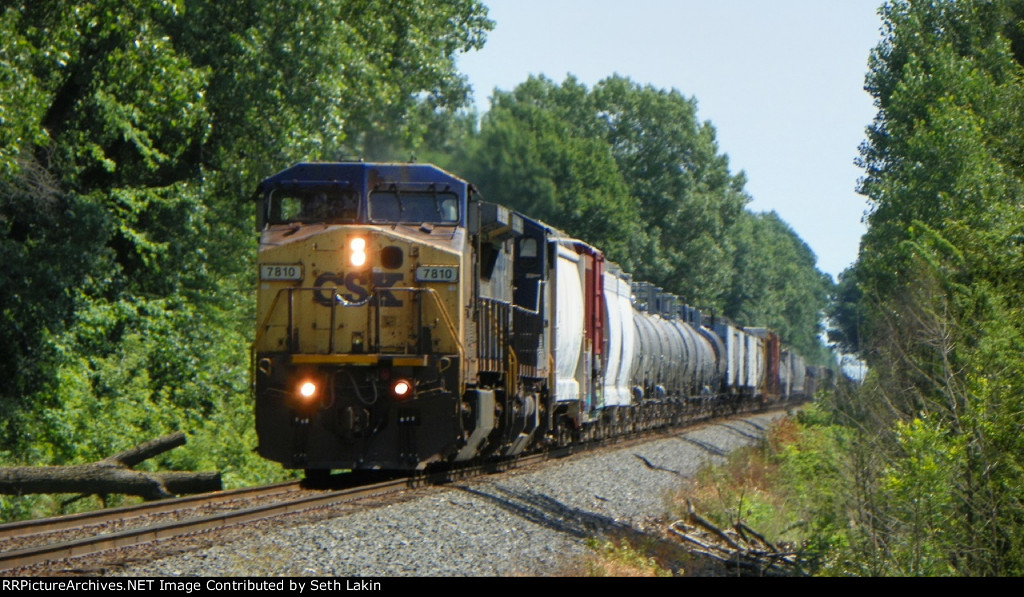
(532, 522)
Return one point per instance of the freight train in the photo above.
(403, 321)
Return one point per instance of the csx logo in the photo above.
(357, 284)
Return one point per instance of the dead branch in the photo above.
(740, 547)
(148, 450)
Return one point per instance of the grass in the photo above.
(618, 558)
(745, 488)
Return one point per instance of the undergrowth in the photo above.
(620, 559)
(746, 489)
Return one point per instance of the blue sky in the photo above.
(780, 80)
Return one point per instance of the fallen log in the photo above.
(111, 475)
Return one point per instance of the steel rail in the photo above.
(148, 534)
(42, 526)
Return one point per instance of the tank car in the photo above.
(403, 321)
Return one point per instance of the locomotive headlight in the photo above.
(357, 251)
(401, 388)
(306, 394)
(307, 390)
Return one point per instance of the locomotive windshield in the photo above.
(414, 207)
(311, 205)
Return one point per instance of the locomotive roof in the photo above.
(364, 175)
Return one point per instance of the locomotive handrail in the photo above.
(261, 330)
(449, 324)
(541, 284)
(265, 324)
(259, 336)
(512, 375)
(337, 300)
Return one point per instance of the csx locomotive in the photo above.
(403, 321)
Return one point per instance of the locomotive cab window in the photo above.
(393, 206)
(286, 206)
(528, 248)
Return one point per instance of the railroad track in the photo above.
(47, 540)
(35, 542)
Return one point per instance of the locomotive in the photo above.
(403, 321)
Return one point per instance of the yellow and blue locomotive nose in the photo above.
(362, 326)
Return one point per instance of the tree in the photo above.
(618, 155)
(131, 138)
(934, 301)
(846, 312)
(529, 157)
(673, 168)
(777, 284)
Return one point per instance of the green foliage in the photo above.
(43, 264)
(673, 167)
(621, 560)
(941, 150)
(814, 471)
(846, 312)
(129, 138)
(609, 158)
(530, 158)
(801, 487)
(630, 169)
(934, 302)
(776, 282)
(849, 509)
(22, 102)
(933, 421)
(739, 491)
(919, 487)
